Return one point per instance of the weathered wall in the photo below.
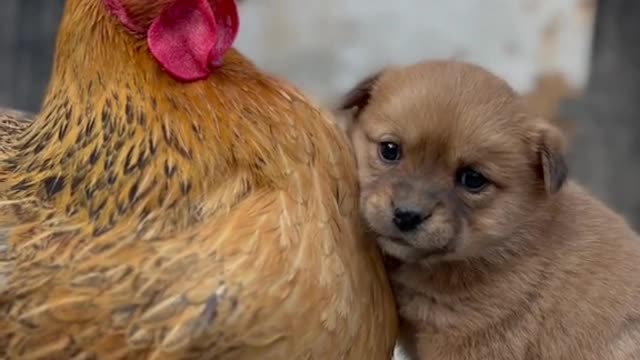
(606, 146)
(27, 32)
(326, 46)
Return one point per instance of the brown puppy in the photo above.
(497, 255)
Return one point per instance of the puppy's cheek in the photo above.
(444, 228)
(471, 243)
(365, 175)
(487, 223)
(441, 230)
(481, 220)
(375, 207)
(497, 221)
(462, 240)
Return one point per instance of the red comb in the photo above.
(190, 37)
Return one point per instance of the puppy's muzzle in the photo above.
(407, 220)
(414, 200)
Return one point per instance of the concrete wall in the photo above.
(27, 33)
(327, 46)
(606, 143)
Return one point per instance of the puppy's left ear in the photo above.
(550, 148)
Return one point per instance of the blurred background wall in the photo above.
(576, 61)
(27, 33)
(327, 46)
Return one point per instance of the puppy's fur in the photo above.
(529, 267)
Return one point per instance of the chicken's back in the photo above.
(323, 292)
(12, 123)
(329, 281)
(146, 217)
(260, 256)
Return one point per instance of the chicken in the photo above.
(171, 201)
(12, 122)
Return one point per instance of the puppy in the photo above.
(493, 253)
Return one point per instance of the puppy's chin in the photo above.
(432, 241)
(397, 251)
(393, 249)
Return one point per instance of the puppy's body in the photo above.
(525, 266)
(570, 290)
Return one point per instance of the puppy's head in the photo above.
(449, 162)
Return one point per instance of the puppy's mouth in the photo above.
(397, 251)
(425, 254)
(400, 240)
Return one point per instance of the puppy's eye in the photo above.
(471, 180)
(389, 151)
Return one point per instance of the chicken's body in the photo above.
(146, 218)
(12, 123)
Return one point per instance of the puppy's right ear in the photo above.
(550, 147)
(356, 100)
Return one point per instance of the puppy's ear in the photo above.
(356, 100)
(550, 148)
(358, 97)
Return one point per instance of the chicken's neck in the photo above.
(118, 137)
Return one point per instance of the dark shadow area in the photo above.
(605, 147)
(27, 34)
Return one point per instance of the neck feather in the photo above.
(118, 137)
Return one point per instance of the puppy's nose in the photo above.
(407, 220)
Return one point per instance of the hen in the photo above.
(12, 122)
(171, 201)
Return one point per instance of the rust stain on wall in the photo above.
(545, 99)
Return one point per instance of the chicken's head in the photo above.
(187, 37)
